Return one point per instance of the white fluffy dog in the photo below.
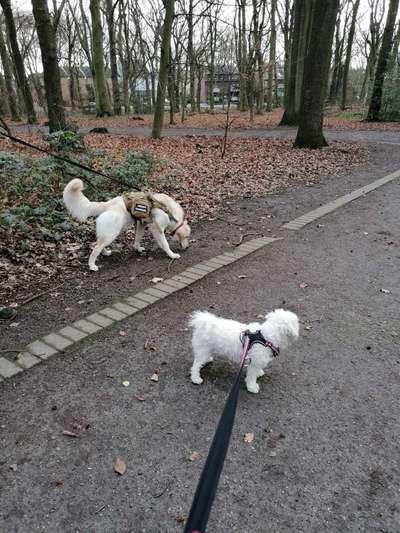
(215, 335)
(113, 217)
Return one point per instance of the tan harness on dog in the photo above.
(140, 205)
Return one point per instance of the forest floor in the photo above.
(334, 119)
(191, 169)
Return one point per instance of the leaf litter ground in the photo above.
(197, 177)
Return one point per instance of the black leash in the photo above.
(208, 483)
(69, 161)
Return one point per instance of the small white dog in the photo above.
(113, 217)
(215, 335)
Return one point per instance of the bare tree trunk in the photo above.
(163, 71)
(51, 73)
(22, 81)
(316, 71)
(8, 80)
(290, 115)
(348, 53)
(102, 101)
(381, 68)
(242, 53)
(272, 58)
(212, 32)
(285, 26)
(110, 9)
(190, 53)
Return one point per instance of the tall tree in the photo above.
(381, 67)
(110, 10)
(164, 67)
(52, 81)
(298, 50)
(346, 67)
(22, 81)
(316, 71)
(8, 79)
(102, 100)
(272, 58)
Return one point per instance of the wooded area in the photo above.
(186, 56)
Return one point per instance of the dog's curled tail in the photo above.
(76, 202)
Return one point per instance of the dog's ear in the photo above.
(292, 323)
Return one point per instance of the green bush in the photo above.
(134, 170)
(31, 188)
(65, 141)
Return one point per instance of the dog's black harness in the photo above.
(257, 337)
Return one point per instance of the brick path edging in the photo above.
(58, 341)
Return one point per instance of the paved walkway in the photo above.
(368, 136)
(326, 426)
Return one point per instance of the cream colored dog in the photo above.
(113, 217)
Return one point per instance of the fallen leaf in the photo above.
(194, 456)
(140, 398)
(180, 518)
(120, 466)
(69, 433)
(248, 438)
(59, 482)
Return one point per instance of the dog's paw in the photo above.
(253, 388)
(94, 268)
(174, 256)
(140, 249)
(196, 380)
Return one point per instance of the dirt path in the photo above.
(370, 136)
(333, 398)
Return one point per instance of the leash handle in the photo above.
(208, 483)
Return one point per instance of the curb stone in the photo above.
(56, 342)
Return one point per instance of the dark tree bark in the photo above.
(285, 23)
(272, 58)
(384, 55)
(22, 81)
(51, 73)
(110, 9)
(316, 71)
(8, 79)
(302, 14)
(163, 70)
(242, 54)
(102, 101)
(350, 40)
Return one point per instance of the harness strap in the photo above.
(257, 337)
(177, 227)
